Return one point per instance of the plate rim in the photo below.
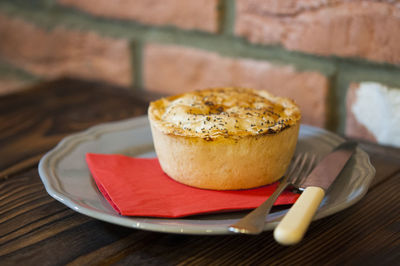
(47, 175)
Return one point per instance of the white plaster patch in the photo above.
(377, 107)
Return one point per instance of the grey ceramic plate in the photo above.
(66, 177)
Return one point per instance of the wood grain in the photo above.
(37, 230)
(35, 120)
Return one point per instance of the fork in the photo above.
(253, 223)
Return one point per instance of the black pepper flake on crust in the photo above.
(208, 138)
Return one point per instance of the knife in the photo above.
(295, 223)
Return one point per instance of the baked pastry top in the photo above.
(224, 112)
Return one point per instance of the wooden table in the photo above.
(38, 230)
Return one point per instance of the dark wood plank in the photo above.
(33, 121)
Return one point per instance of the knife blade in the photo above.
(295, 223)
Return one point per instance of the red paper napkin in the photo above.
(139, 187)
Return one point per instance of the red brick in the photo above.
(354, 128)
(277, 7)
(175, 69)
(185, 14)
(62, 52)
(355, 28)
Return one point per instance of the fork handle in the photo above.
(253, 223)
(295, 223)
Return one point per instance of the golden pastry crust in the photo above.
(224, 138)
(224, 112)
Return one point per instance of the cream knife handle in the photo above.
(295, 223)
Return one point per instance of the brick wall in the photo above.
(316, 52)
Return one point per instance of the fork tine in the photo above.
(300, 169)
(311, 163)
(304, 168)
(308, 169)
(293, 165)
